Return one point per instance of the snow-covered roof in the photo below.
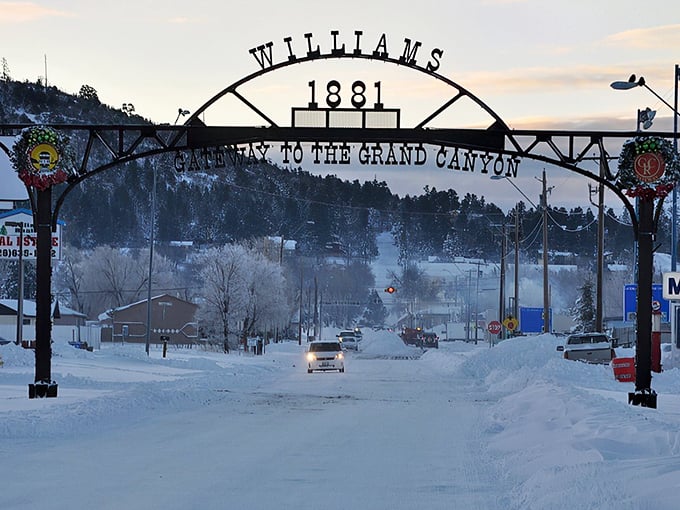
(30, 311)
(109, 313)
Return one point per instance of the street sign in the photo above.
(494, 327)
(671, 286)
(17, 236)
(510, 323)
(630, 300)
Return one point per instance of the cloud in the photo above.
(22, 12)
(531, 79)
(180, 20)
(661, 37)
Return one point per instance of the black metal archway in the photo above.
(495, 150)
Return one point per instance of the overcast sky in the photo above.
(537, 64)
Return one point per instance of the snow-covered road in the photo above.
(513, 427)
(386, 434)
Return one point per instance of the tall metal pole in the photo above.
(43, 319)
(546, 283)
(20, 301)
(674, 222)
(467, 308)
(20, 297)
(600, 254)
(477, 305)
(643, 346)
(151, 242)
(515, 308)
(300, 317)
(501, 296)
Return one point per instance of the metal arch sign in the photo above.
(325, 131)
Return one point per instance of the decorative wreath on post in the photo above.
(42, 157)
(648, 167)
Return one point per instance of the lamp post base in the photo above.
(643, 398)
(42, 390)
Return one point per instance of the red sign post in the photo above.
(494, 327)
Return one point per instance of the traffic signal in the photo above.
(390, 290)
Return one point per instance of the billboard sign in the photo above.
(531, 320)
(12, 239)
(659, 303)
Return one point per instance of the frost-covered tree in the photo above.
(584, 309)
(375, 312)
(243, 293)
(109, 277)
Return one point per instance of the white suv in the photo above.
(348, 340)
(325, 355)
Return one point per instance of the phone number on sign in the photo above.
(13, 253)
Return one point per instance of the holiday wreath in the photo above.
(42, 157)
(648, 167)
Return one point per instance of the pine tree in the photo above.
(4, 73)
(584, 309)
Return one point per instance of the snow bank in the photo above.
(386, 344)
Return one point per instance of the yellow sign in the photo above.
(510, 323)
(44, 157)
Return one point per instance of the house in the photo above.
(68, 325)
(172, 320)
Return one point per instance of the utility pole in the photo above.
(599, 312)
(20, 298)
(501, 299)
(599, 271)
(515, 308)
(300, 316)
(546, 283)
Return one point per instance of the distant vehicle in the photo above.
(588, 347)
(358, 334)
(325, 355)
(430, 339)
(350, 343)
(348, 340)
(667, 356)
(412, 336)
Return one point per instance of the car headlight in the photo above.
(339, 355)
(311, 356)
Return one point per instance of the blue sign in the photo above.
(630, 302)
(531, 320)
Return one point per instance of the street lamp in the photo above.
(645, 118)
(181, 112)
(640, 82)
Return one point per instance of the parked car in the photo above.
(430, 339)
(588, 347)
(325, 355)
(348, 340)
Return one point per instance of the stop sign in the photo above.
(494, 327)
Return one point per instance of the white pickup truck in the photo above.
(588, 347)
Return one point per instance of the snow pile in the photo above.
(560, 419)
(386, 344)
(15, 356)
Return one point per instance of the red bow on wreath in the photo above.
(645, 193)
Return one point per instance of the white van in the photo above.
(325, 355)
